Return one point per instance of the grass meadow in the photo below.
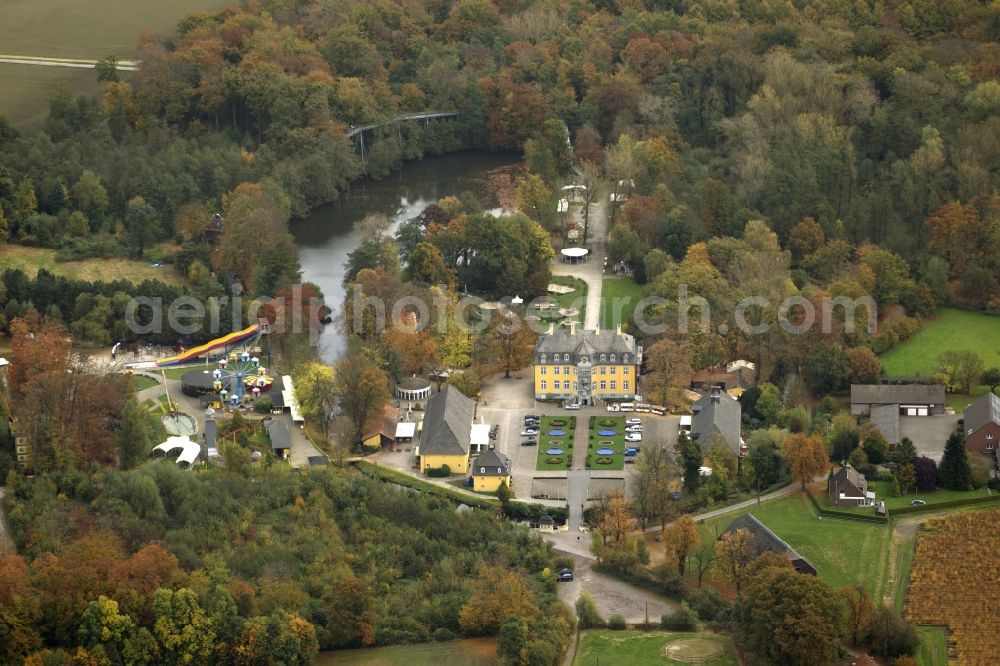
(31, 259)
(618, 288)
(644, 648)
(949, 328)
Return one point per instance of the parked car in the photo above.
(529, 432)
(564, 576)
(633, 428)
(532, 417)
(612, 407)
(631, 451)
(529, 442)
(917, 502)
(573, 405)
(633, 437)
(633, 421)
(531, 423)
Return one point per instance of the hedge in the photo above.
(970, 501)
(846, 515)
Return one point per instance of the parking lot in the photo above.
(928, 433)
(505, 402)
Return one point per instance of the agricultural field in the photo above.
(955, 582)
(646, 648)
(72, 29)
(933, 648)
(844, 552)
(563, 442)
(615, 442)
(948, 329)
(614, 291)
(31, 259)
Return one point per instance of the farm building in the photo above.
(909, 399)
(982, 425)
(764, 540)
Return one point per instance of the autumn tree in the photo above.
(734, 553)
(654, 480)
(806, 456)
(256, 226)
(959, 369)
(679, 538)
(668, 369)
(502, 593)
(614, 542)
(511, 342)
(859, 610)
(361, 390)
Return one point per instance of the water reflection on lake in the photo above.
(328, 235)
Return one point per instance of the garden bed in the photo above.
(563, 441)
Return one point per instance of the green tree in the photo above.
(691, 461)
(135, 435)
(827, 369)
(107, 69)
(959, 369)
(769, 404)
(316, 391)
(361, 390)
(991, 378)
(586, 612)
(182, 629)
(511, 642)
(906, 476)
(954, 472)
(875, 447)
(103, 624)
(142, 225)
(904, 453)
(788, 618)
(889, 635)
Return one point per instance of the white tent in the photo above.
(405, 430)
(479, 438)
(189, 450)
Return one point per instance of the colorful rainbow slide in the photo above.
(189, 355)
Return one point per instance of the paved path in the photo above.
(121, 65)
(790, 489)
(592, 271)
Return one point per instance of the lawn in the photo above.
(564, 442)
(142, 382)
(614, 292)
(948, 329)
(26, 90)
(616, 423)
(30, 259)
(574, 299)
(883, 491)
(933, 649)
(642, 648)
(844, 552)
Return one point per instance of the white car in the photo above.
(529, 432)
(633, 428)
(573, 405)
(633, 421)
(633, 437)
(612, 407)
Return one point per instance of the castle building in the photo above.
(584, 366)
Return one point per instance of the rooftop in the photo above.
(587, 343)
(763, 538)
(897, 394)
(277, 431)
(447, 423)
(491, 463)
(717, 412)
(982, 411)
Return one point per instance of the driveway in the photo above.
(928, 433)
(612, 595)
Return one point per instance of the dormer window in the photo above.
(542, 358)
(624, 358)
(612, 358)
(604, 358)
(565, 358)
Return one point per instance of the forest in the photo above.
(161, 566)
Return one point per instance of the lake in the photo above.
(328, 235)
(466, 652)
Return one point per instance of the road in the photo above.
(122, 65)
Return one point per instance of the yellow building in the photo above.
(384, 431)
(489, 470)
(584, 366)
(447, 431)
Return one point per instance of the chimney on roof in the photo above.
(619, 329)
(716, 394)
(552, 328)
(572, 328)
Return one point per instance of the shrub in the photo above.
(709, 605)
(889, 635)
(617, 622)
(586, 612)
(262, 405)
(443, 634)
(439, 472)
(682, 619)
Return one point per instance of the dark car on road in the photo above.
(529, 442)
(564, 576)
